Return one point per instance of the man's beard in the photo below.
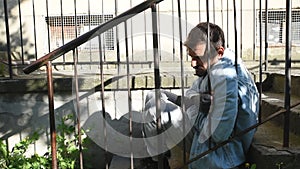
(200, 73)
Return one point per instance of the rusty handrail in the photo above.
(89, 35)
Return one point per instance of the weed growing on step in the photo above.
(67, 150)
(250, 166)
(279, 165)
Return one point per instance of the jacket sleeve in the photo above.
(192, 95)
(220, 121)
(188, 101)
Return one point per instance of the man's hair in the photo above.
(198, 35)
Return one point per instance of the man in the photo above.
(227, 103)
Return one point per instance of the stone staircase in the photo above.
(266, 151)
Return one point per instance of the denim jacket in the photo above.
(234, 108)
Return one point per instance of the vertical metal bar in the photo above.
(48, 25)
(227, 24)
(241, 29)
(222, 14)
(78, 107)
(158, 26)
(76, 23)
(214, 12)
(89, 22)
(260, 59)
(75, 18)
(21, 31)
(157, 81)
(129, 94)
(208, 49)
(186, 20)
(288, 48)
(182, 77)
(145, 26)
(117, 38)
(131, 34)
(8, 40)
(266, 34)
(51, 115)
(235, 35)
(118, 51)
(103, 102)
(199, 7)
(34, 29)
(103, 37)
(208, 35)
(254, 30)
(173, 31)
(7, 148)
(62, 30)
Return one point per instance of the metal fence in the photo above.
(56, 23)
(148, 34)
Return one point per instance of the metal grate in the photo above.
(276, 26)
(63, 30)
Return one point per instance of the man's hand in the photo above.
(172, 97)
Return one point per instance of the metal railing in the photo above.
(48, 61)
(72, 45)
(19, 49)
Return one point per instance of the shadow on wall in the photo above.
(31, 115)
(93, 153)
(11, 124)
(15, 38)
(24, 113)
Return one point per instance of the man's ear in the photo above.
(221, 50)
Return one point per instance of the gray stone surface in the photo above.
(24, 108)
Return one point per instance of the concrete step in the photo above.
(275, 82)
(267, 151)
(175, 161)
(273, 102)
(124, 163)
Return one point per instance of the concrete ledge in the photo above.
(273, 102)
(275, 82)
(268, 157)
(91, 82)
(267, 150)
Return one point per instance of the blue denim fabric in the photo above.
(234, 108)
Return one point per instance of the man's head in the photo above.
(196, 44)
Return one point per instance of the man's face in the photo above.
(199, 60)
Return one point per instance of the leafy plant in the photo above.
(67, 150)
(17, 158)
(250, 166)
(279, 165)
